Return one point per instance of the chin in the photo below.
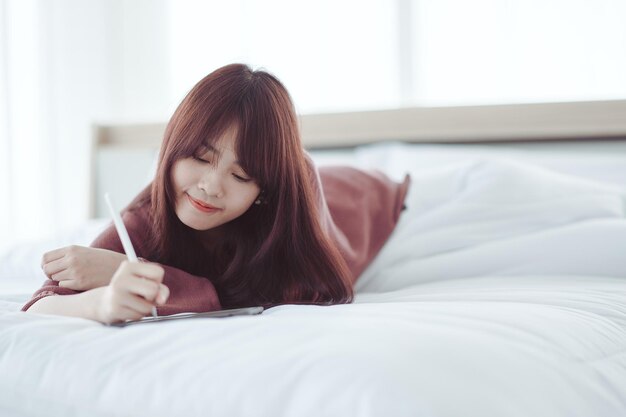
(188, 222)
(191, 226)
(197, 226)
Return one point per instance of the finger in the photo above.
(128, 271)
(148, 270)
(164, 294)
(125, 313)
(137, 304)
(54, 267)
(53, 255)
(144, 287)
(71, 284)
(61, 276)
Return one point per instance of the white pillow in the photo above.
(600, 165)
(462, 207)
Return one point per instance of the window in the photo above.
(354, 55)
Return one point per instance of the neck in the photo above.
(209, 239)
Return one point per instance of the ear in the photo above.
(260, 198)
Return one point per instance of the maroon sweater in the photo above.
(359, 209)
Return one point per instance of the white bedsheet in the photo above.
(500, 346)
(502, 292)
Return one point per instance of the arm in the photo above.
(42, 302)
(74, 305)
(82, 268)
(188, 293)
(134, 289)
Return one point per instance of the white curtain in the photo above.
(516, 51)
(5, 157)
(28, 152)
(371, 54)
(64, 65)
(331, 55)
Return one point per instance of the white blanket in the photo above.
(502, 292)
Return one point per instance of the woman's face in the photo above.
(211, 193)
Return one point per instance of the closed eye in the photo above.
(237, 177)
(241, 179)
(197, 158)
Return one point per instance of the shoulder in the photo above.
(138, 223)
(138, 213)
(138, 217)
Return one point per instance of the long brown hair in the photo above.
(276, 252)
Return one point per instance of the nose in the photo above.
(211, 184)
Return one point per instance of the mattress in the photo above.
(501, 292)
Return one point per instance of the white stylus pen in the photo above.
(123, 234)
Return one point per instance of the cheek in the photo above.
(180, 180)
(175, 175)
(182, 174)
(246, 198)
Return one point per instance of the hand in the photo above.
(81, 268)
(134, 289)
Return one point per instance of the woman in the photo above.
(237, 215)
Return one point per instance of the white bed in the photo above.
(502, 292)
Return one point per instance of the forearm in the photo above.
(76, 305)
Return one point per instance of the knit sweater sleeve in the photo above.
(188, 293)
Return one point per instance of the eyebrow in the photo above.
(213, 149)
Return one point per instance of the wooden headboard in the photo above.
(537, 122)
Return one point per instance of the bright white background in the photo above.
(65, 64)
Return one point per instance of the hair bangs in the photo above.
(197, 130)
(267, 129)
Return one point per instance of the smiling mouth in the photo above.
(202, 207)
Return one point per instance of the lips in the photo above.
(206, 208)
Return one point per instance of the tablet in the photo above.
(215, 314)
